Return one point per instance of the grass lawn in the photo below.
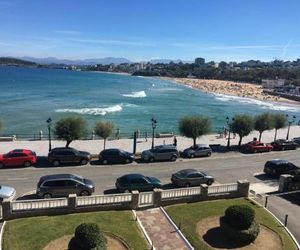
(37, 232)
(189, 215)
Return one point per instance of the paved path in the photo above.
(161, 232)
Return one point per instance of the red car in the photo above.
(257, 146)
(18, 157)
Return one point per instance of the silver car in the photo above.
(191, 177)
(160, 153)
(199, 150)
(7, 193)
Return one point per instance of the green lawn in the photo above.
(189, 214)
(37, 232)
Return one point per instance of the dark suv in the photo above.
(277, 167)
(160, 153)
(58, 156)
(114, 155)
(61, 185)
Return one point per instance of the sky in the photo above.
(218, 30)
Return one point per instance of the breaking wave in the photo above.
(136, 94)
(93, 111)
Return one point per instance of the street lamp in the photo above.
(229, 127)
(153, 123)
(290, 122)
(49, 122)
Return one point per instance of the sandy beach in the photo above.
(239, 89)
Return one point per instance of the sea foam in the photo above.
(93, 111)
(136, 94)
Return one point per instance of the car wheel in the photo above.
(151, 159)
(126, 191)
(56, 163)
(27, 164)
(192, 156)
(128, 161)
(47, 196)
(282, 148)
(104, 162)
(269, 150)
(83, 162)
(173, 158)
(209, 182)
(85, 193)
(208, 154)
(1, 165)
(187, 185)
(255, 151)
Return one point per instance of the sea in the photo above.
(29, 96)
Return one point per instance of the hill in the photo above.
(15, 61)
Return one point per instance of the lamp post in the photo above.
(290, 122)
(49, 122)
(153, 123)
(229, 127)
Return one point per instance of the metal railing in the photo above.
(39, 204)
(222, 188)
(103, 199)
(180, 192)
(145, 198)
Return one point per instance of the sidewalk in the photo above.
(163, 235)
(95, 146)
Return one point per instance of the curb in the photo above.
(177, 229)
(1, 234)
(274, 216)
(143, 230)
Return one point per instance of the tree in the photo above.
(70, 128)
(242, 125)
(263, 122)
(194, 126)
(279, 121)
(104, 129)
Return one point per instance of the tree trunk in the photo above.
(104, 143)
(194, 139)
(260, 133)
(275, 134)
(240, 140)
(68, 143)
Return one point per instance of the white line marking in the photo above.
(16, 179)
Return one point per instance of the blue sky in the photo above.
(142, 30)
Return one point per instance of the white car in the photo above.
(7, 193)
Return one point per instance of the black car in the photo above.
(138, 182)
(277, 167)
(114, 155)
(59, 156)
(191, 177)
(197, 151)
(283, 144)
(297, 140)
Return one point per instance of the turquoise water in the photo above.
(29, 96)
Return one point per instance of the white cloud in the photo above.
(110, 42)
(68, 32)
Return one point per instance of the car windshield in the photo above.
(182, 173)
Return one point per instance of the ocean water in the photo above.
(29, 96)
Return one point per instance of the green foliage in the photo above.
(87, 237)
(244, 236)
(239, 216)
(242, 125)
(195, 126)
(263, 122)
(279, 121)
(15, 61)
(104, 129)
(70, 128)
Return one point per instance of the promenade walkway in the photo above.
(161, 232)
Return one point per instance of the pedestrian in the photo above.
(234, 135)
(175, 141)
(118, 134)
(225, 132)
(146, 136)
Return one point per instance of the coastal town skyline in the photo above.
(138, 31)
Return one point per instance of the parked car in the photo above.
(139, 182)
(278, 167)
(7, 193)
(61, 185)
(257, 146)
(297, 140)
(191, 177)
(160, 153)
(114, 155)
(282, 144)
(59, 156)
(199, 150)
(18, 157)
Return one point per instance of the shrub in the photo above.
(245, 236)
(88, 236)
(239, 216)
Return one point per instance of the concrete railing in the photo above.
(133, 200)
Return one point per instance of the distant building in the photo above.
(272, 83)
